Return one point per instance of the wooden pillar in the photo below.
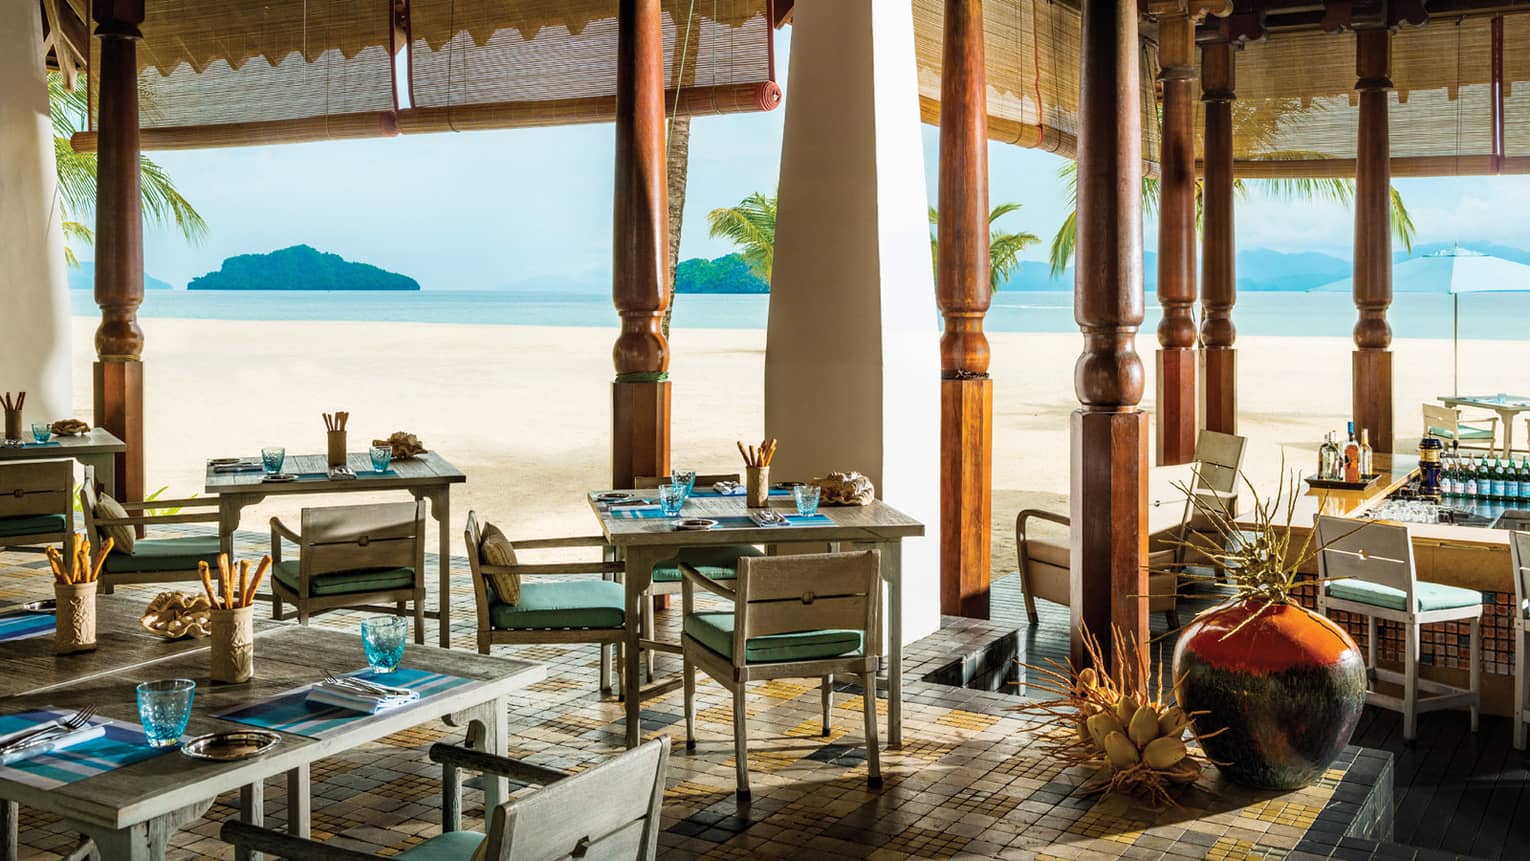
(118, 377)
(1109, 433)
(1177, 408)
(640, 394)
(963, 293)
(1219, 290)
(1373, 240)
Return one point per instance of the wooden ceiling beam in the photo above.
(66, 38)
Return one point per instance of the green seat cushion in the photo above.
(345, 582)
(563, 604)
(450, 846)
(33, 524)
(715, 631)
(718, 563)
(1464, 432)
(165, 554)
(1430, 596)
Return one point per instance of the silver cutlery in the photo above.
(364, 686)
(23, 739)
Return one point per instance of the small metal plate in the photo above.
(613, 496)
(222, 461)
(279, 478)
(695, 523)
(47, 606)
(231, 746)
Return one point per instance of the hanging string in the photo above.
(1036, 70)
(690, 19)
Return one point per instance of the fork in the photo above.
(52, 729)
(362, 684)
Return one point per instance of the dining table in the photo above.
(425, 476)
(1508, 408)
(642, 537)
(96, 447)
(132, 809)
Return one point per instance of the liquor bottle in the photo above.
(1470, 473)
(1328, 459)
(1367, 467)
(1499, 479)
(1351, 457)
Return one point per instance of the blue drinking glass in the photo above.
(42, 433)
(806, 497)
(272, 459)
(383, 640)
(685, 479)
(382, 455)
(671, 499)
(164, 708)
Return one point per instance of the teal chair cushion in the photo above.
(1430, 596)
(345, 582)
(715, 631)
(1465, 432)
(165, 554)
(563, 604)
(718, 563)
(33, 524)
(450, 846)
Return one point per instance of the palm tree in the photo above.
(752, 226)
(676, 171)
(1004, 246)
(162, 202)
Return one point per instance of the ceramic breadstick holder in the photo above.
(757, 486)
(13, 424)
(233, 644)
(74, 628)
(336, 447)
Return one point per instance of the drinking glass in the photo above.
(382, 455)
(272, 459)
(164, 707)
(671, 498)
(684, 479)
(806, 497)
(42, 432)
(383, 640)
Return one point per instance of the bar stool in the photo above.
(1519, 551)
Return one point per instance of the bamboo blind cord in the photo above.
(685, 47)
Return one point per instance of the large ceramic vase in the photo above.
(1286, 683)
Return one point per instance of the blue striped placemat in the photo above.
(291, 711)
(637, 512)
(123, 744)
(19, 626)
(791, 520)
(41, 444)
(708, 493)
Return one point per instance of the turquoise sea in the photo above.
(1413, 315)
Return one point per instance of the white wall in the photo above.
(34, 302)
(852, 365)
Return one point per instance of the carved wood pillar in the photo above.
(1373, 240)
(1108, 505)
(118, 372)
(640, 395)
(1219, 290)
(962, 292)
(1177, 408)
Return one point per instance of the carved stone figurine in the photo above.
(173, 615)
(846, 488)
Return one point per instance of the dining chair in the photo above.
(1519, 552)
(812, 615)
(560, 610)
(35, 504)
(349, 556)
(608, 812)
(148, 560)
(1445, 423)
(1366, 568)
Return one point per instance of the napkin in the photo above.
(237, 467)
(763, 519)
(356, 701)
(85, 733)
(728, 488)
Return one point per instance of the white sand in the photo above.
(525, 411)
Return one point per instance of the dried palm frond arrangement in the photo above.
(1118, 722)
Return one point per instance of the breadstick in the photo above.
(223, 577)
(56, 559)
(260, 571)
(206, 574)
(741, 452)
(106, 547)
(244, 583)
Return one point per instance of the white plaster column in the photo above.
(852, 365)
(34, 298)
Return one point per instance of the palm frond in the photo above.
(1061, 253)
(752, 226)
(1004, 254)
(1402, 222)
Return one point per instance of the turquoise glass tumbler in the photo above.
(164, 708)
(383, 641)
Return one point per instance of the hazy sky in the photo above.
(484, 210)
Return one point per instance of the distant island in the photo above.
(728, 274)
(83, 277)
(300, 267)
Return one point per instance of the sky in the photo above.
(531, 208)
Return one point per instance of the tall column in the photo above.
(119, 239)
(963, 294)
(851, 364)
(1177, 407)
(34, 301)
(1373, 240)
(1219, 290)
(1109, 433)
(640, 394)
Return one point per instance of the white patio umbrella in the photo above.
(1454, 271)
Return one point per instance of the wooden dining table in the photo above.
(96, 447)
(643, 543)
(132, 811)
(1508, 407)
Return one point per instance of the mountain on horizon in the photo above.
(83, 277)
(301, 267)
(1259, 270)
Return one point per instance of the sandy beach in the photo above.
(525, 411)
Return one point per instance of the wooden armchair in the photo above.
(350, 555)
(147, 560)
(1445, 423)
(34, 504)
(609, 812)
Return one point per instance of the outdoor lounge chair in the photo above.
(148, 560)
(1519, 551)
(34, 504)
(550, 611)
(609, 811)
(1367, 569)
(1445, 423)
(812, 615)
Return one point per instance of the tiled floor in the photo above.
(967, 783)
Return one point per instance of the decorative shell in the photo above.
(173, 615)
(70, 427)
(404, 445)
(846, 488)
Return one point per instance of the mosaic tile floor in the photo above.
(968, 782)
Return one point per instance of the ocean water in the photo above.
(1413, 315)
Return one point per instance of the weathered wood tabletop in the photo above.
(93, 448)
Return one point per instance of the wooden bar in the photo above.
(1177, 407)
(963, 294)
(1108, 504)
(640, 395)
(1218, 358)
(1372, 393)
